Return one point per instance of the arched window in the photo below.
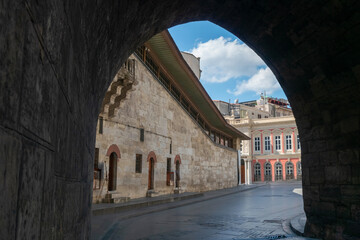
(289, 170)
(267, 171)
(299, 170)
(257, 172)
(278, 171)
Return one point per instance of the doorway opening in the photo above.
(112, 171)
(151, 174)
(268, 172)
(257, 172)
(289, 171)
(278, 172)
(242, 171)
(177, 175)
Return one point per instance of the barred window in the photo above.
(288, 142)
(138, 164)
(267, 143)
(277, 143)
(257, 144)
(298, 142)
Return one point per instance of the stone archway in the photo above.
(58, 60)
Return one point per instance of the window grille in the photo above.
(277, 143)
(288, 142)
(298, 142)
(289, 171)
(257, 144)
(268, 171)
(142, 133)
(278, 172)
(267, 143)
(257, 172)
(138, 163)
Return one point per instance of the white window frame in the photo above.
(278, 142)
(298, 142)
(267, 143)
(288, 142)
(257, 144)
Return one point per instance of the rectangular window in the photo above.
(168, 165)
(138, 164)
(288, 142)
(212, 136)
(96, 160)
(101, 122)
(257, 144)
(169, 174)
(277, 143)
(142, 134)
(298, 142)
(267, 143)
(259, 116)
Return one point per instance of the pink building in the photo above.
(274, 151)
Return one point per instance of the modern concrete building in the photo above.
(165, 137)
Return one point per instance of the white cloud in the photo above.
(222, 59)
(264, 79)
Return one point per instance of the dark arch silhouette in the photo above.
(61, 72)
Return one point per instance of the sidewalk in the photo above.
(140, 203)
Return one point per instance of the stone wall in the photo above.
(204, 165)
(59, 57)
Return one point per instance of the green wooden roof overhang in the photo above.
(163, 46)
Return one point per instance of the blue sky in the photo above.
(230, 69)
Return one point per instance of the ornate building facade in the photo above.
(274, 151)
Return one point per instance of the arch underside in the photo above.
(58, 60)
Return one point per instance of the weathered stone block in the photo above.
(10, 161)
(31, 191)
(338, 174)
(311, 193)
(349, 156)
(330, 193)
(317, 175)
(350, 193)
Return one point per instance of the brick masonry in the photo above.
(58, 58)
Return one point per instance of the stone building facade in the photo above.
(161, 138)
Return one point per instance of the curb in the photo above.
(295, 228)
(116, 209)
